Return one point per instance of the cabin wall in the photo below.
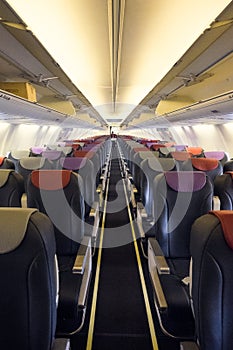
(211, 137)
(208, 136)
(24, 136)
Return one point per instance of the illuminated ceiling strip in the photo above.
(116, 12)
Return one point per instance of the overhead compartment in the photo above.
(22, 89)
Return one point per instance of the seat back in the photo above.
(16, 155)
(85, 168)
(212, 167)
(59, 194)
(212, 279)
(180, 198)
(228, 166)
(53, 156)
(27, 164)
(223, 188)
(95, 159)
(150, 168)
(195, 151)
(137, 173)
(219, 155)
(28, 280)
(6, 163)
(11, 188)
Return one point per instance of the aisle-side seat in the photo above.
(29, 279)
(11, 188)
(180, 198)
(212, 280)
(151, 167)
(85, 168)
(58, 194)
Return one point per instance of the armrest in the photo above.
(141, 213)
(157, 265)
(216, 203)
(94, 213)
(157, 254)
(99, 188)
(82, 255)
(61, 344)
(189, 345)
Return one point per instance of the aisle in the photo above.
(120, 321)
(118, 315)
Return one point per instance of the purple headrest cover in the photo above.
(186, 181)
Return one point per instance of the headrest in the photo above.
(65, 149)
(82, 154)
(73, 163)
(204, 164)
(157, 146)
(52, 154)
(92, 147)
(140, 149)
(78, 145)
(143, 154)
(38, 150)
(180, 155)
(194, 150)
(13, 226)
(161, 164)
(166, 150)
(32, 163)
(2, 160)
(169, 144)
(149, 144)
(226, 219)
(4, 175)
(50, 180)
(185, 181)
(180, 147)
(51, 147)
(18, 154)
(215, 154)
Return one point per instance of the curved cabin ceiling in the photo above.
(117, 59)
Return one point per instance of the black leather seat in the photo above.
(212, 280)
(11, 188)
(28, 269)
(6, 163)
(85, 168)
(16, 155)
(27, 164)
(212, 167)
(58, 193)
(151, 167)
(223, 188)
(179, 198)
(228, 166)
(219, 155)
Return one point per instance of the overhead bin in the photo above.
(22, 89)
